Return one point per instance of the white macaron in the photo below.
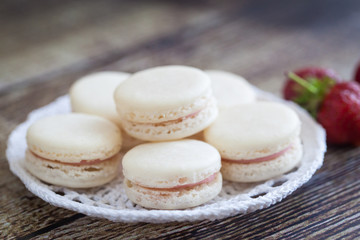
(166, 103)
(73, 150)
(257, 141)
(230, 89)
(94, 94)
(172, 175)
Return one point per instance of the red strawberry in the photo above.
(339, 113)
(292, 90)
(335, 105)
(357, 74)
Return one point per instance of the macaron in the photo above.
(94, 94)
(73, 150)
(172, 175)
(166, 103)
(230, 89)
(257, 141)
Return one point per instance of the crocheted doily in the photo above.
(110, 202)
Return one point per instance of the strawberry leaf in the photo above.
(313, 92)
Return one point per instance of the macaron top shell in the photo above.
(253, 130)
(230, 89)
(93, 94)
(74, 137)
(162, 88)
(170, 164)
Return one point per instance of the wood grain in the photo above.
(79, 31)
(257, 39)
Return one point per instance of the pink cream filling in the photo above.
(191, 115)
(81, 163)
(190, 185)
(260, 159)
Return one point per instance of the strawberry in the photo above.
(339, 113)
(308, 87)
(357, 74)
(292, 90)
(335, 105)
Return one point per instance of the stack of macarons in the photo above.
(151, 112)
(93, 94)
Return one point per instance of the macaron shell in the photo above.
(94, 93)
(84, 176)
(230, 89)
(170, 164)
(74, 137)
(177, 199)
(162, 88)
(253, 130)
(255, 172)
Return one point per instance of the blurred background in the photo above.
(48, 40)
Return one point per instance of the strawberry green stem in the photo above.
(302, 82)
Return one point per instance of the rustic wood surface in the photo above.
(46, 45)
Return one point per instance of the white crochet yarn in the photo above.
(110, 201)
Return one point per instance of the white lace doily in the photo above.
(110, 202)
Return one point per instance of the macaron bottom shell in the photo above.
(170, 199)
(81, 176)
(173, 130)
(255, 172)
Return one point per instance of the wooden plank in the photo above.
(22, 212)
(5, 175)
(262, 50)
(54, 35)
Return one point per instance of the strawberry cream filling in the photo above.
(260, 159)
(81, 163)
(192, 115)
(190, 185)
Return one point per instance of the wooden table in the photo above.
(46, 45)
